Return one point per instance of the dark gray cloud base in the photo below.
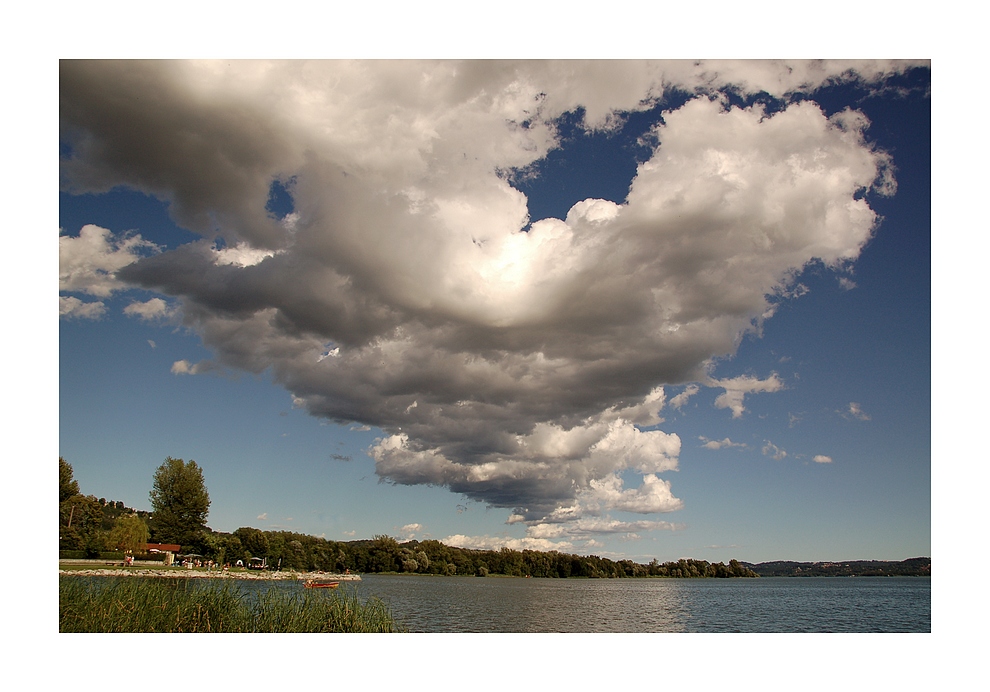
(522, 369)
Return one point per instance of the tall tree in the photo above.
(129, 533)
(80, 521)
(179, 502)
(67, 486)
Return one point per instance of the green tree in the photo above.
(80, 518)
(180, 502)
(384, 554)
(67, 486)
(129, 533)
(255, 541)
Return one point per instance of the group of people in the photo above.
(189, 563)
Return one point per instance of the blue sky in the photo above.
(631, 309)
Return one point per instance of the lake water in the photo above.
(782, 604)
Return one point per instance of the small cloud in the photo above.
(822, 459)
(737, 388)
(150, 310)
(846, 284)
(340, 457)
(184, 367)
(682, 398)
(88, 263)
(719, 444)
(461, 509)
(359, 428)
(411, 406)
(263, 516)
(409, 531)
(772, 450)
(854, 411)
(73, 308)
(793, 419)
(348, 533)
(152, 344)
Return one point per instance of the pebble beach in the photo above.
(201, 574)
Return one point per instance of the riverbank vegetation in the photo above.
(168, 605)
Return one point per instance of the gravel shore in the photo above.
(198, 574)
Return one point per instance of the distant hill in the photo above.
(913, 567)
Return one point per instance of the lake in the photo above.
(769, 604)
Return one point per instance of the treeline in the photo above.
(180, 504)
(912, 567)
(92, 525)
(384, 554)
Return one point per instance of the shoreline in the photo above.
(214, 574)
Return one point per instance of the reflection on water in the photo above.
(470, 604)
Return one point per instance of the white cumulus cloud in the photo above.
(72, 307)
(149, 310)
(184, 367)
(682, 398)
(410, 530)
(88, 263)
(773, 451)
(519, 361)
(737, 388)
(720, 444)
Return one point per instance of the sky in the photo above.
(637, 309)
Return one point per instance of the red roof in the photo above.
(164, 547)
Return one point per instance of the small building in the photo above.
(168, 550)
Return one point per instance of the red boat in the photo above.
(313, 584)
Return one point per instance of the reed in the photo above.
(106, 604)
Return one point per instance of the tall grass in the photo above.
(130, 604)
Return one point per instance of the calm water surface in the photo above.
(784, 604)
(422, 603)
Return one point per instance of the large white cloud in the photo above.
(520, 367)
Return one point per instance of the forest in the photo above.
(912, 567)
(91, 527)
(288, 550)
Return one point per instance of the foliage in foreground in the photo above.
(181, 605)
